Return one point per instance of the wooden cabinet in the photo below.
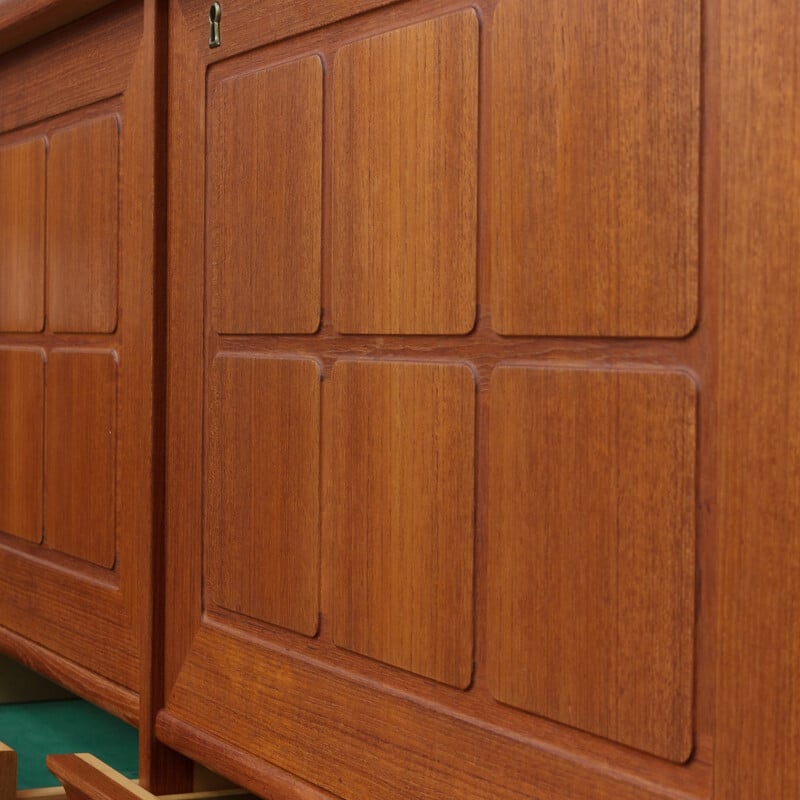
(442, 406)
(478, 406)
(77, 279)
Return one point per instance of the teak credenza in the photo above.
(398, 399)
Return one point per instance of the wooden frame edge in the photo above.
(114, 698)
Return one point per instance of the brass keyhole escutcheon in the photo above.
(214, 16)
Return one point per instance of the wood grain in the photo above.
(347, 737)
(758, 657)
(161, 769)
(265, 199)
(594, 168)
(185, 376)
(53, 74)
(78, 622)
(249, 26)
(8, 773)
(249, 771)
(21, 443)
(22, 214)
(23, 20)
(591, 551)
(50, 793)
(404, 179)
(78, 679)
(85, 777)
(399, 501)
(82, 225)
(80, 455)
(297, 716)
(262, 489)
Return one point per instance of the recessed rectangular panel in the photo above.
(262, 489)
(82, 220)
(80, 452)
(264, 204)
(22, 213)
(21, 442)
(404, 179)
(399, 500)
(591, 574)
(594, 167)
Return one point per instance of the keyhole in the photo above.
(214, 16)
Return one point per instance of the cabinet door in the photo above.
(76, 353)
(443, 413)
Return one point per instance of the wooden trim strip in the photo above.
(85, 776)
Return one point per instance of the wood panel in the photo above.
(80, 455)
(21, 443)
(22, 210)
(399, 501)
(595, 167)
(591, 551)
(262, 489)
(404, 179)
(265, 199)
(82, 221)
(758, 656)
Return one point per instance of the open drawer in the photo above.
(85, 777)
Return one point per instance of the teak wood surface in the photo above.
(85, 777)
(23, 20)
(80, 458)
(403, 255)
(264, 474)
(595, 167)
(82, 223)
(266, 208)
(75, 569)
(479, 412)
(378, 703)
(398, 498)
(22, 215)
(22, 431)
(758, 662)
(591, 522)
